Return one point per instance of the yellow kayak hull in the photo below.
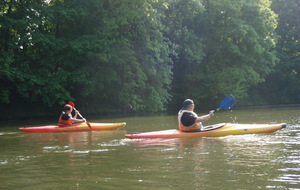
(74, 128)
(222, 130)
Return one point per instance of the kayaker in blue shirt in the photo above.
(188, 120)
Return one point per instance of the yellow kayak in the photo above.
(217, 130)
(73, 128)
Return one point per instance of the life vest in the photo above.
(195, 127)
(64, 123)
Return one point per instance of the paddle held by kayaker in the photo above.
(188, 120)
(66, 118)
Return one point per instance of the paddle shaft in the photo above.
(82, 118)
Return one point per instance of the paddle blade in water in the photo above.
(227, 103)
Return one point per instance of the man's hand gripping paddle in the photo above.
(73, 106)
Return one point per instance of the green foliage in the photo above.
(288, 71)
(140, 69)
(283, 85)
(187, 47)
(77, 49)
(241, 38)
(141, 55)
(223, 47)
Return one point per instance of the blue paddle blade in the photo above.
(227, 103)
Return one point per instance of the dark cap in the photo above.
(187, 103)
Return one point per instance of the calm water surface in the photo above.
(107, 160)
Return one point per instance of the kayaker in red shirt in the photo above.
(188, 120)
(66, 119)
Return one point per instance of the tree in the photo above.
(94, 51)
(237, 40)
(25, 44)
(138, 70)
(187, 46)
(108, 57)
(283, 86)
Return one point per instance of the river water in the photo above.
(107, 160)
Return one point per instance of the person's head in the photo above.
(67, 108)
(188, 104)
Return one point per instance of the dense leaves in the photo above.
(282, 85)
(96, 50)
(224, 47)
(285, 81)
(143, 55)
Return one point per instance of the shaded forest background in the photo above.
(133, 56)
